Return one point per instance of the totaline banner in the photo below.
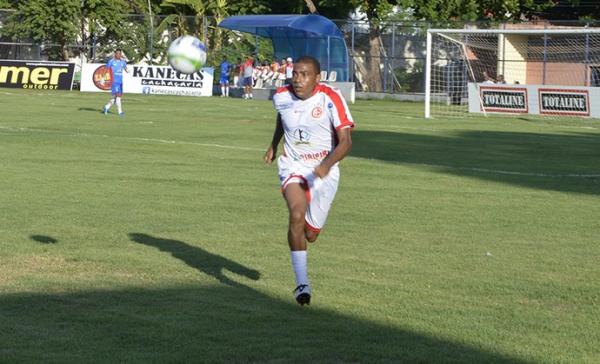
(535, 99)
(38, 75)
(143, 79)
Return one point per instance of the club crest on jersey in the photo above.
(317, 112)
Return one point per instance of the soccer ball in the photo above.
(187, 54)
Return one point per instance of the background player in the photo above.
(224, 81)
(246, 73)
(315, 123)
(116, 65)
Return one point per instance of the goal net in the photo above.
(533, 71)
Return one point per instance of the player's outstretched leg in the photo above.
(295, 197)
(107, 106)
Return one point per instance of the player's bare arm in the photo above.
(341, 150)
(271, 153)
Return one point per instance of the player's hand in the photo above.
(270, 155)
(322, 170)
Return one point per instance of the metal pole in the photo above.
(385, 73)
(255, 47)
(352, 54)
(393, 53)
(328, 55)
(428, 77)
(545, 57)
(587, 58)
(151, 33)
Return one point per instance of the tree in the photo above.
(213, 12)
(573, 10)
(7, 4)
(54, 23)
(440, 11)
(103, 22)
(377, 13)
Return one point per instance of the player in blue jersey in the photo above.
(116, 65)
(224, 81)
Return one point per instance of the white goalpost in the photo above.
(553, 71)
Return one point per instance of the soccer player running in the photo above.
(116, 65)
(224, 81)
(315, 124)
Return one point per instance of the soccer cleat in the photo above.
(121, 114)
(105, 111)
(302, 294)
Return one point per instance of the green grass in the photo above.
(161, 237)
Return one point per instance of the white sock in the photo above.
(222, 90)
(227, 91)
(119, 109)
(300, 266)
(251, 96)
(110, 103)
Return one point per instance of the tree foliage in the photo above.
(472, 10)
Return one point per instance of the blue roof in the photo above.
(298, 35)
(277, 26)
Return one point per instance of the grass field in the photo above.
(161, 237)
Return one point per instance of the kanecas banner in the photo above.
(150, 80)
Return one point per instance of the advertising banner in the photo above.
(564, 101)
(37, 75)
(151, 80)
(504, 99)
(535, 99)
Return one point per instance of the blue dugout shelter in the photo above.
(298, 35)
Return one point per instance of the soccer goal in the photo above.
(554, 71)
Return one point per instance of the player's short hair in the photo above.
(312, 60)
(118, 50)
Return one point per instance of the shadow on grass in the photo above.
(228, 322)
(91, 109)
(198, 258)
(560, 162)
(44, 239)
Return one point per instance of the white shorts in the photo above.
(319, 191)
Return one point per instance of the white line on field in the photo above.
(235, 147)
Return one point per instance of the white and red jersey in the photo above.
(310, 125)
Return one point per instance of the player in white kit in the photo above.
(316, 125)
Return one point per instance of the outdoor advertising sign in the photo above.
(37, 75)
(145, 79)
(535, 99)
(564, 101)
(503, 99)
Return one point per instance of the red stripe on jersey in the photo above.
(339, 105)
(284, 89)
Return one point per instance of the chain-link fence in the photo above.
(389, 58)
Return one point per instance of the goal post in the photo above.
(552, 71)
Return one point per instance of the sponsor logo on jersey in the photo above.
(315, 156)
(284, 106)
(301, 136)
